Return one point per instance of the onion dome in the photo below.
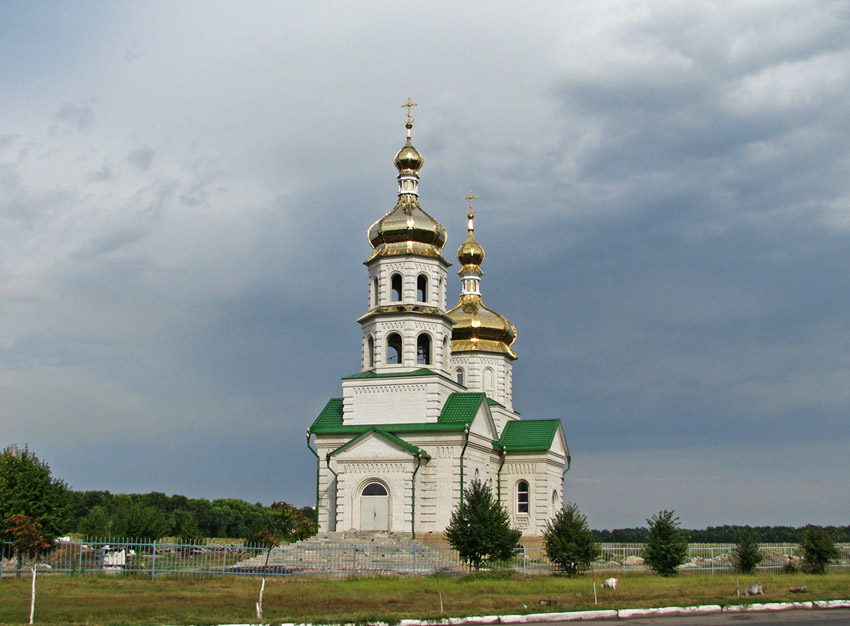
(477, 328)
(407, 229)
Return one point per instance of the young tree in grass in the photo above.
(480, 529)
(747, 553)
(818, 549)
(28, 540)
(569, 541)
(667, 547)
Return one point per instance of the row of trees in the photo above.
(32, 499)
(723, 534)
(480, 531)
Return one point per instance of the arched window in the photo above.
(459, 375)
(422, 288)
(555, 500)
(393, 349)
(488, 380)
(423, 349)
(522, 497)
(370, 347)
(395, 288)
(375, 291)
(477, 475)
(375, 489)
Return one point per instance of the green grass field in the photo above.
(114, 600)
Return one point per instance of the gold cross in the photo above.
(409, 105)
(470, 197)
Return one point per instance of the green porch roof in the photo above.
(528, 435)
(396, 440)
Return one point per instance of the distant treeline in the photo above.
(155, 515)
(723, 534)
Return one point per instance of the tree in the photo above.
(667, 546)
(27, 488)
(569, 541)
(818, 549)
(480, 528)
(747, 553)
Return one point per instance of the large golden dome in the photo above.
(477, 328)
(407, 229)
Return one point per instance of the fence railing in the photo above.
(156, 558)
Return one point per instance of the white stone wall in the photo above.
(413, 400)
(498, 385)
(409, 327)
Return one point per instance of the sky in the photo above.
(664, 200)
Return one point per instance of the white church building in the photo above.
(431, 409)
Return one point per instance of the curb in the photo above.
(580, 616)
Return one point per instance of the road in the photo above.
(831, 617)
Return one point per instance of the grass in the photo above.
(127, 600)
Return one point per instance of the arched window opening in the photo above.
(370, 347)
(394, 349)
(375, 291)
(522, 497)
(477, 475)
(459, 375)
(423, 349)
(375, 489)
(555, 500)
(395, 288)
(422, 288)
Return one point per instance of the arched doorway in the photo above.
(374, 507)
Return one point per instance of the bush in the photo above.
(747, 554)
(569, 541)
(667, 546)
(480, 529)
(818, 549)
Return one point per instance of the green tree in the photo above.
(747, 553)
(818, 549)
(27, 488)
(480, 528)
(667, 546)
(569, 541)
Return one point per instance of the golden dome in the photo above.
(407, 229)
(476, 327)
(470, 253)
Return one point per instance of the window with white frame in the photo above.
(522, 497)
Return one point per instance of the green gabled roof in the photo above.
(396, 440)
(422, 371)
(460, 408)
(528, 435)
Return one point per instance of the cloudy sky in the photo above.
(664, 200)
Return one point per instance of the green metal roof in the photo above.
(460, 408)
(528, 435)
(386, 435)
(329, 418)
(422, 371)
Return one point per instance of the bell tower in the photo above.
(406, 327)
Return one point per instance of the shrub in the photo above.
(747, 554)
(480, 529)
(569, 541)
(667, 546)
(818, 549)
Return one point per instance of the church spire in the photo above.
(476, 327)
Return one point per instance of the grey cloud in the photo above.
(142, 157)
(79, 115)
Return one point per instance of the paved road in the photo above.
(831, 617)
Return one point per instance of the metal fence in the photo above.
(152, 559)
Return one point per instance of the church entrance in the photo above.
(374, 508)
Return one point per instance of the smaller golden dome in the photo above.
(480, 329)
(470, 253)
(408, 160)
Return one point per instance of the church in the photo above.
(431, 409)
